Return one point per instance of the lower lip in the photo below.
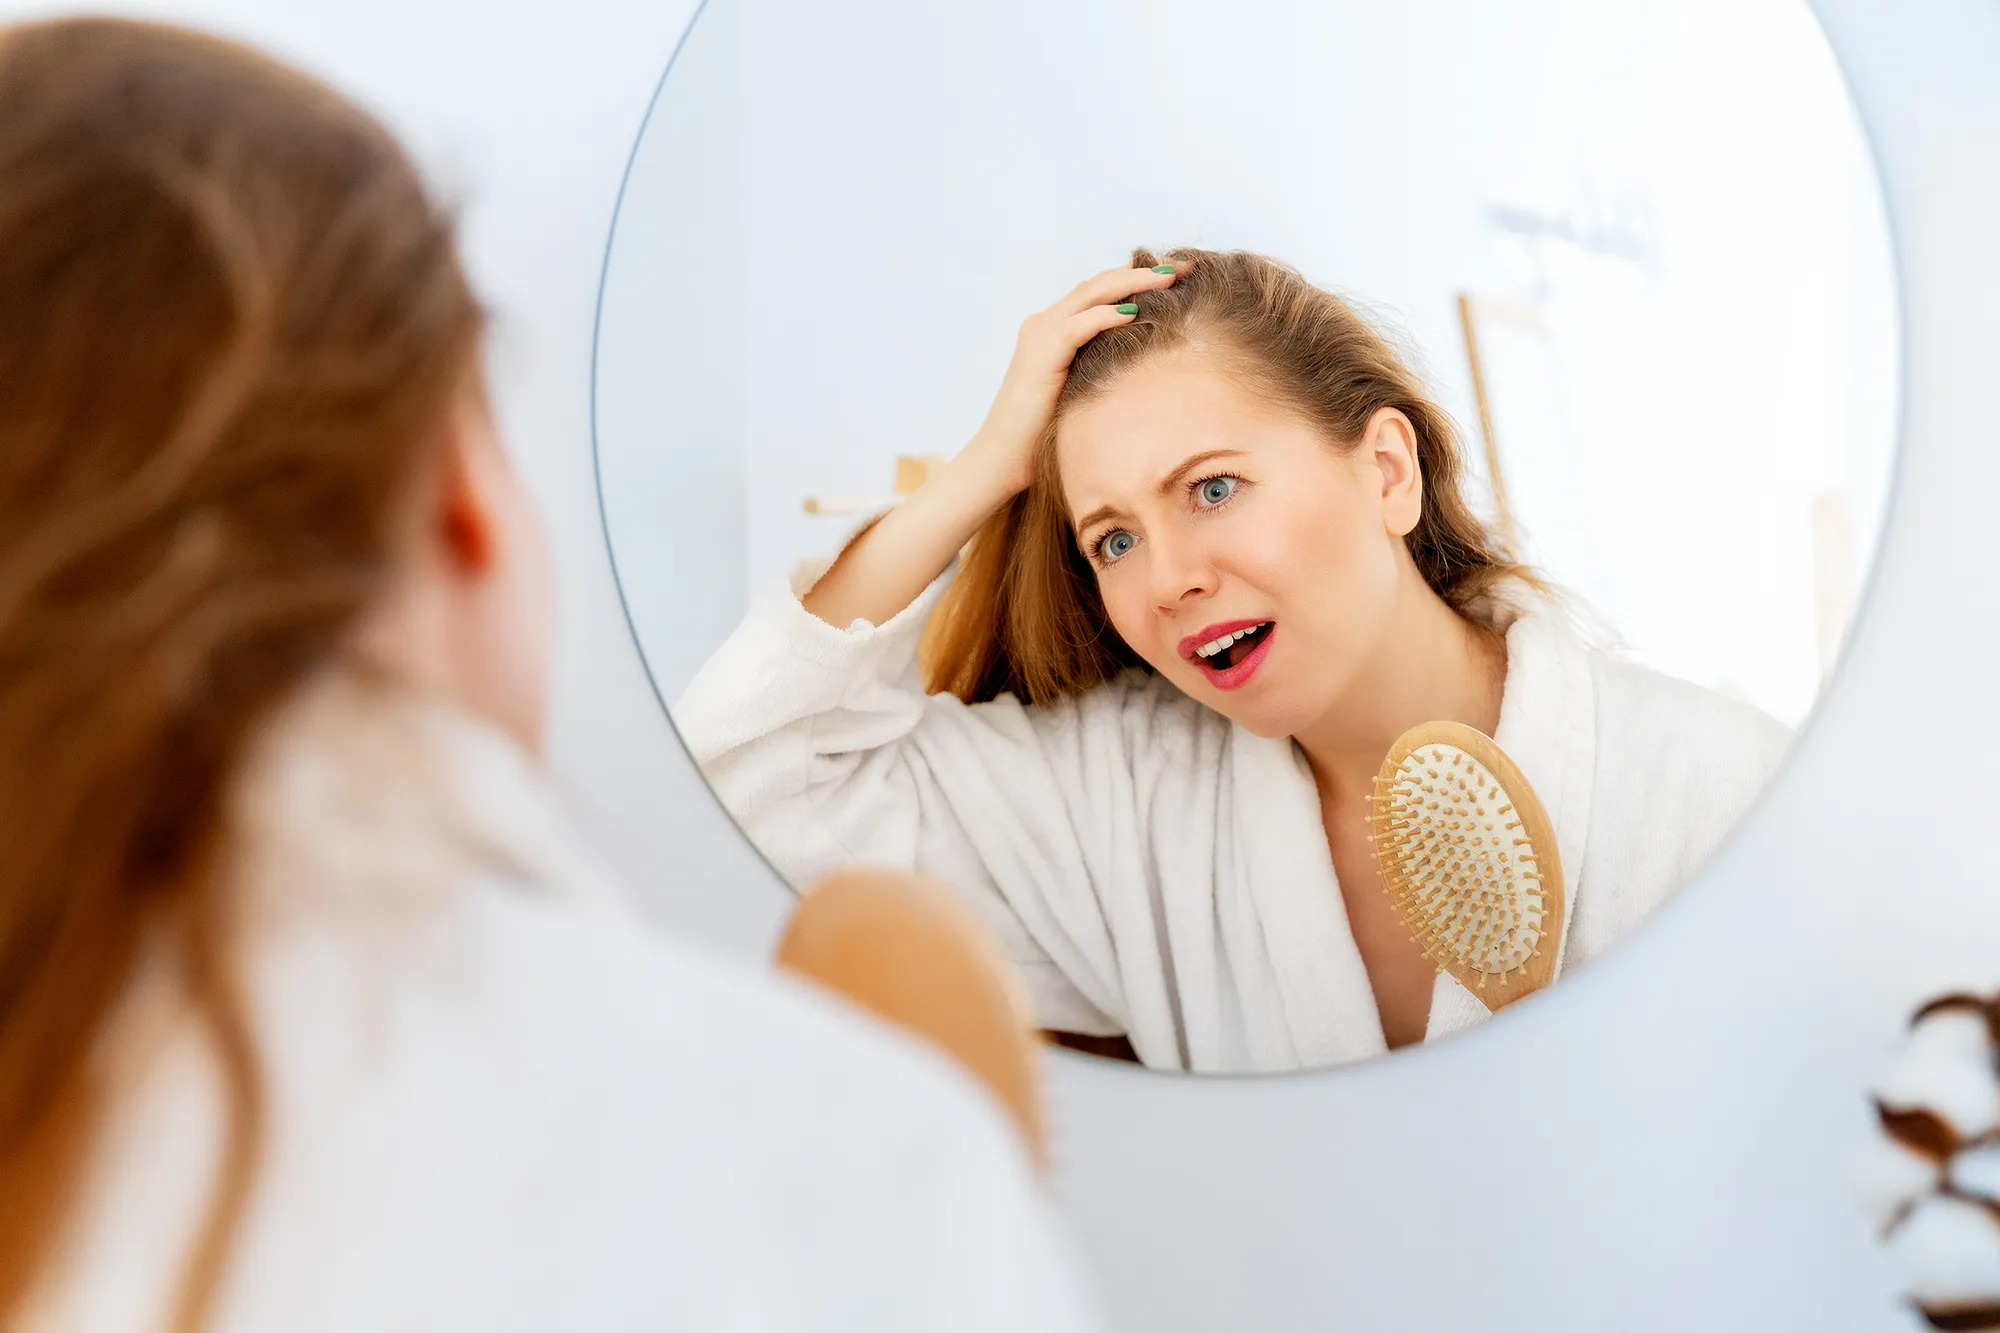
(1236, 677)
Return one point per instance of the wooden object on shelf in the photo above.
(1473, 311)
(847, 504)
(912, 471)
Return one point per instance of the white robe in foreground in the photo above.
(1160, 872)
(497, 1101)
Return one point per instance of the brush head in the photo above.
(1469, 858)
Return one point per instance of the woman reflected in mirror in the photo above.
(1125, 669)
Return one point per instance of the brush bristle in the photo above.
(1452, 852)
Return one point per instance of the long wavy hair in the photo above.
(1023, 615)
(232, 323)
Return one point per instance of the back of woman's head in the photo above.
(1023, 615)
(231, 319)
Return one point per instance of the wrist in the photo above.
(1002, 470)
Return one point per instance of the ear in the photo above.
(1390, 442)
(467, 527)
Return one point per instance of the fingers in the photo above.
(1097, 304)
(1080, 328)
(1051, 337)
(1111, 287)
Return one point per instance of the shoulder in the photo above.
(1649, 711)
(695, 1135)
(720, 1047)
(483, 1067)
(861, 1162)
(1677, 767)
(690, 1008)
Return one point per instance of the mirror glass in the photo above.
(1527, 372)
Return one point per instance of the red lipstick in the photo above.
(1212, 633)
(1230, 677)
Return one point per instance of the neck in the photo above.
(419, 636)
(1432, 665)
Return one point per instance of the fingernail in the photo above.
(1163, 268)
(1129, 308)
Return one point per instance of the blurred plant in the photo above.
(1935, 1184)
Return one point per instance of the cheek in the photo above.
(1126, 606)
(1301, 543)
(1322, 556)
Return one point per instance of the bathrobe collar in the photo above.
(1547, 725)
(359, 769)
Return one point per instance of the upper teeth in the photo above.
(1214, 646)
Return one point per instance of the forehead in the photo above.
(1115, 448)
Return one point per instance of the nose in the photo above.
(1181, 572)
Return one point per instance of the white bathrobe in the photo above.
(1159, 871)
(498, 1101)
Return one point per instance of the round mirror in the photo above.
(1318, 522)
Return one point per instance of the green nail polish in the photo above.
(1129, 308)
(1163, 268)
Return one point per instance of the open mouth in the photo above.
(1229, 659)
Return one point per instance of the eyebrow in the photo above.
(1167, 483)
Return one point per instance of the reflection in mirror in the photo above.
(1527, 367)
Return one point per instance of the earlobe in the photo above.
(464, 524)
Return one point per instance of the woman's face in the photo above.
(1246, 557)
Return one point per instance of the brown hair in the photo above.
(231, 320)
(1023, 615)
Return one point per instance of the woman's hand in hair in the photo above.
(884, 568)
(1047, 343)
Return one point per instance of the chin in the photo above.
(1271, 724)
(1263, 707)
(1268, 718)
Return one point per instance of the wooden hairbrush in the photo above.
(1469, 857)
(914, 953)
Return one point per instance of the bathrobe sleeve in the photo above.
(824, 747)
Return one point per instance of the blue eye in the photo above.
(1216, 489)
(1116, 544)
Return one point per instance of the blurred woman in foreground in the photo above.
(313, 1014)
